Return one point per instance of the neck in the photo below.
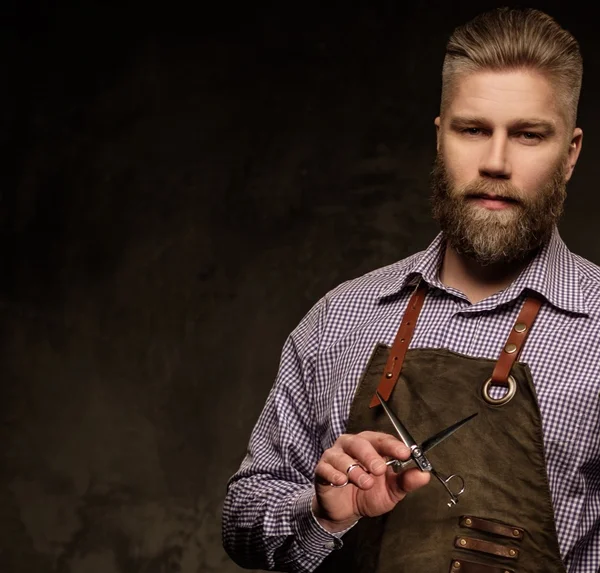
(475, 281)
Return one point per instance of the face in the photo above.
(505, 154)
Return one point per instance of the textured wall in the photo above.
(179, 189)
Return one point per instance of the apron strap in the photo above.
(515, 341)
(392, 369)
(505, 362)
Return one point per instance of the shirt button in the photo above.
(334, 544)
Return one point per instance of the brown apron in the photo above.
(504, 521)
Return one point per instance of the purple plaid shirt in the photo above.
(267, 518)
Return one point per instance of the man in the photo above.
(496, 318)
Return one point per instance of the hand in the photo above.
(367, 494)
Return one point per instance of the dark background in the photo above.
(180, 184)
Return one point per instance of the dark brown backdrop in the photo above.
(180, 185)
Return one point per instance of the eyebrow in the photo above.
(462, 122)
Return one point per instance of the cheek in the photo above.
(461, 166)
(530, 175)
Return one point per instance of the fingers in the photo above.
(385, 444)
(338, 469)
(368, 449)
(327, 474)
(371, 449)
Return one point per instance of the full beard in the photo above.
(496, 236)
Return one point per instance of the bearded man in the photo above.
(495, 318)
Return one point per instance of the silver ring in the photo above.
(351, 467)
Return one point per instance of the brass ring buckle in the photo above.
(512, 390)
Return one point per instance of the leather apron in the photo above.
(504, 520)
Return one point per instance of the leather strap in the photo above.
(392, 369)
(488, 547)
(461, 565)
(495, 527)
(505, 362)
(515, 341)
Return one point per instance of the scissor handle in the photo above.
(398, 465)
(454, 495)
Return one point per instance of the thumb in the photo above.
(406, 482)
(413, 479)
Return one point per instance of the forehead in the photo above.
(502, 97)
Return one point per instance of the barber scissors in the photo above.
(417, 453)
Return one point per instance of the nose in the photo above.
(494, 159)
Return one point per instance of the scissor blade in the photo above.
(405, 436)
(441, 436)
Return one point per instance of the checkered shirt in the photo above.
(267, 518)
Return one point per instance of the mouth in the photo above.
(491, 201)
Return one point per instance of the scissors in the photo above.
(417, 453)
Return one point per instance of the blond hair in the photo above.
(513, 39)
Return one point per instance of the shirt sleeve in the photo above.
(267, 518)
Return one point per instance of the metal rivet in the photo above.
(468, 521)
(520, 327)
(402, 340)
(388, 375)
(463, 542)
(456, 565)
(512, 552)
(512, 390)
(516, 532)
(510, 348)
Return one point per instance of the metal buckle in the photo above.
(512, 390)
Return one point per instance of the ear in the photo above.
(574, 151)
(438, 123)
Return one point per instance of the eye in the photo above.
(472, 131)
(531, 136)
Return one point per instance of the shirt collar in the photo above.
(552, 273)
(425, 264)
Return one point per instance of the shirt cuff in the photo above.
(311, 535)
